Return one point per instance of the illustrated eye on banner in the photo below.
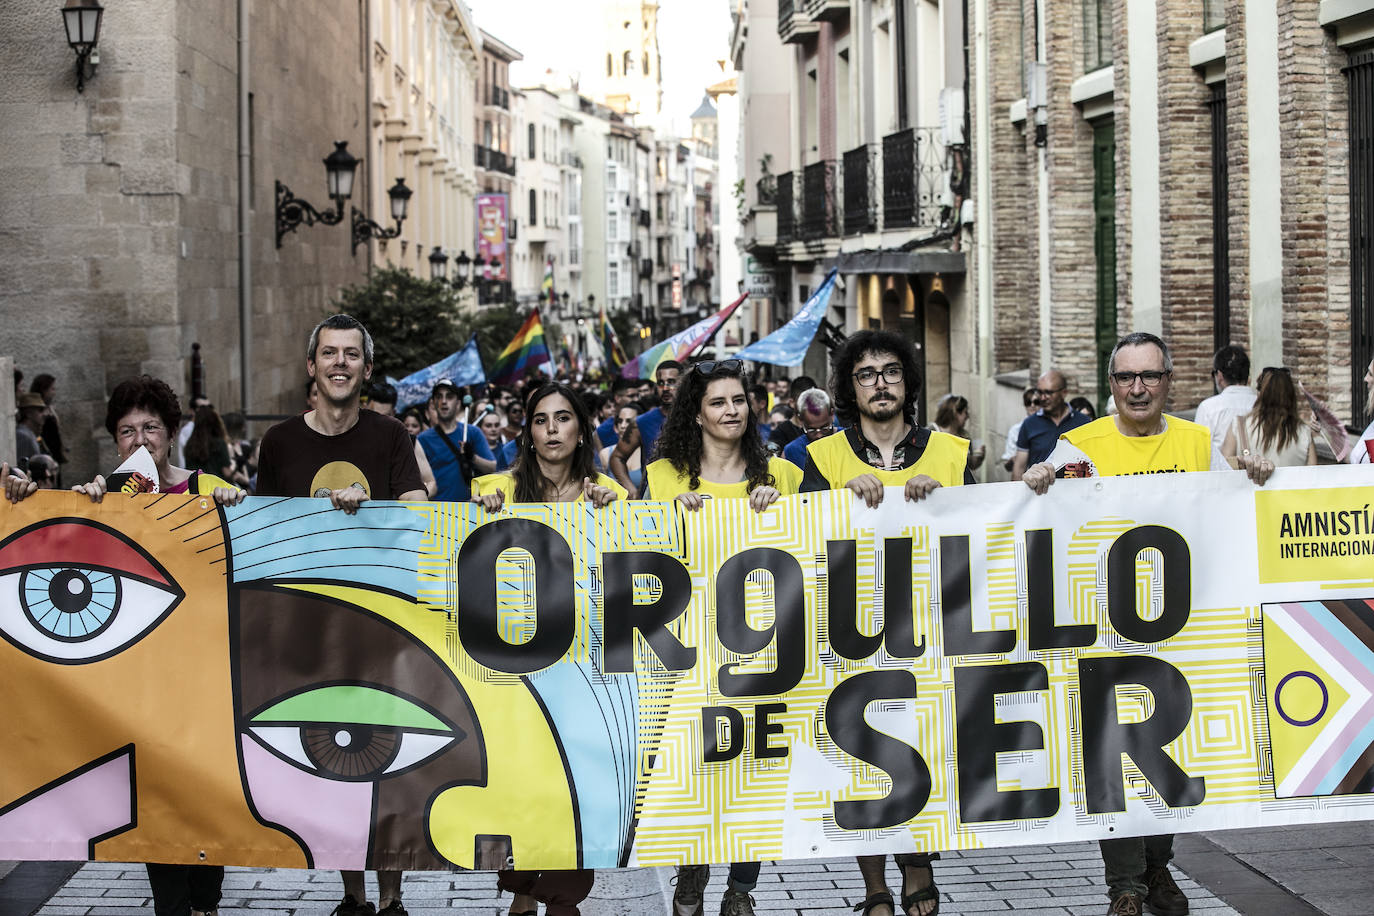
(353, 732)
(98, 594)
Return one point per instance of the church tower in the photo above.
(628, 72)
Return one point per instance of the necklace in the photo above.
(561, 490)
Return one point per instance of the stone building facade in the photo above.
(119, 205)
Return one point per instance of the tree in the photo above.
(413, 322)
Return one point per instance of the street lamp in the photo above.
(462, 273)
(340, 167)
(364, 228)
(82, 21)
(438, 265)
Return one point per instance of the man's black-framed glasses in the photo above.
(867, 377)
(1046, 392)
(1150, 378)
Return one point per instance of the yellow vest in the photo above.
(1183, 446)
(944, 460)
(505, 483)
(666, 483)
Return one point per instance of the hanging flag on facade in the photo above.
(526, 350)
(464, 367)
(787, 345)
(610, 344)
(681, 345)
(546, 288)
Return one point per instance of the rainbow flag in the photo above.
(681, 345)
(610, 344)
(525, 351)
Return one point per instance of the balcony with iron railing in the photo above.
(644, 218)
(860, 184)
(819, 206)
(786, 199)
(498, 97)
(825, 10)
(646, 268)
(794, 26)
(913, 178)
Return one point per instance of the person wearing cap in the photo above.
(29, 428)
(457, 451)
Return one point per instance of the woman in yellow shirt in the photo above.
(555, 460)
(554, 463)
(711, 448)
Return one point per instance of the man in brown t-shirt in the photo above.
(349, 455)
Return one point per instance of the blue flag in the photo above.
(464, 367)
(787, 345)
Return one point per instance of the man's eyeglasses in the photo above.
(817, 432)
(1046, 392)
(1150, 378)
(868, 377)
(706, 367)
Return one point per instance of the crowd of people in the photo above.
(696, 431)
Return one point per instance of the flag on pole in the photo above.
(787, 345)
(546, 288)
(610, 344)
(464, 367)
(681, 345)
(525, 351)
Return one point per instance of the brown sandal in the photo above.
(882, 898)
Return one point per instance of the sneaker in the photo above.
(393, 908)
(1126, 904)
(736, 903)
(349, 906)
(1164, 898)
(691, 884)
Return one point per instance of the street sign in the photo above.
(758, 279)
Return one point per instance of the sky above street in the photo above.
(567, 36)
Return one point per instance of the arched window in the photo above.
(531, 141)
(534, 200)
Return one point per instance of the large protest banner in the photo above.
(425, 685)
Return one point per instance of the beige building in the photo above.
(868, 174)
(423, 89)
(625, 72)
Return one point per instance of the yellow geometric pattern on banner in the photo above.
(1321, 535)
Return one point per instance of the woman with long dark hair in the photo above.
(554, 463)
(555, 459)
(208, 447)
(711, 448)
(1272, 429)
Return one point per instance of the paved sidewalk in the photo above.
(1057, 880)
(1278, 871)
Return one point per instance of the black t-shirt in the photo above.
(376, 454)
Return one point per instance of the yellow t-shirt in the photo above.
(505, 483)
(944, 459)
(1183, 446)
(666, 483)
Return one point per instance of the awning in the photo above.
(920, 261)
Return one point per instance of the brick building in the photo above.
(1188, 168)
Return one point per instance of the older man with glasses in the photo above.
(1042, 429)
(1139, 439)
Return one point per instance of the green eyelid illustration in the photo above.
(352, 705)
